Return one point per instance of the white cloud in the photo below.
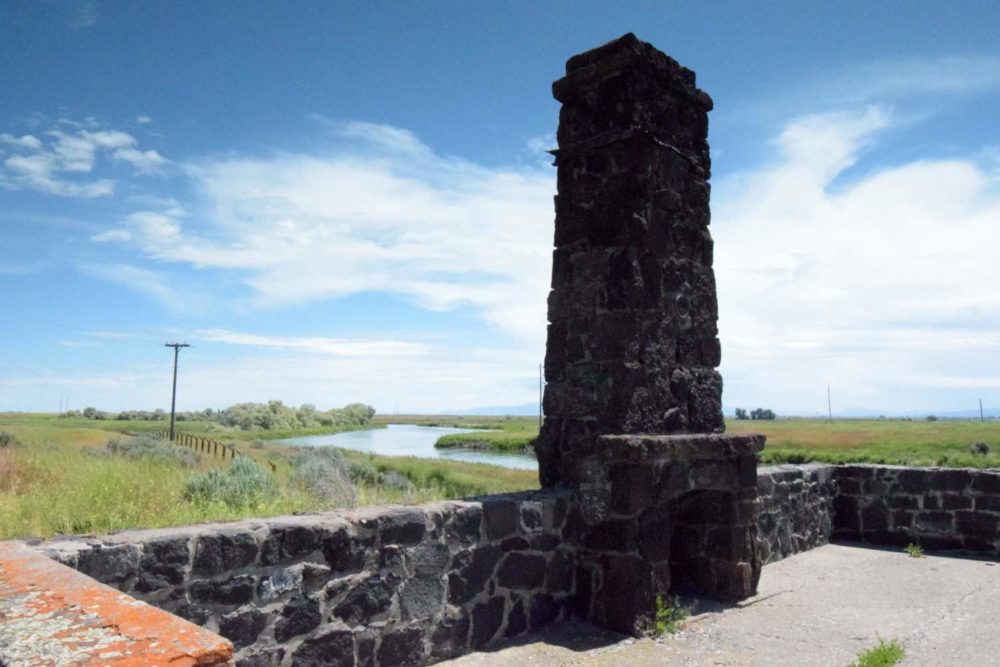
(145, 161)
(26, 141)
(112, 235)
(871, 282)
(393, 217)
(316, 344)
(143, 120)
(58, 166)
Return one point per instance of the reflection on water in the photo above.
(411, 440)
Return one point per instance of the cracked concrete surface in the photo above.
(820, 608)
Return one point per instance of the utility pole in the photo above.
(173, 398)
(981, 418)
(829, 405)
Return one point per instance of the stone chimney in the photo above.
(632, 340)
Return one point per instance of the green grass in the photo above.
(514, 435)
(49, 483)
(919, 442)
(914, 550)
(52, 482)
(885, 654)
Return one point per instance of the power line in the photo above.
(173, 398)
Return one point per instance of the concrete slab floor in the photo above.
(820, 608)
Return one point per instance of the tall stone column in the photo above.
(664, 500)
(632, 341)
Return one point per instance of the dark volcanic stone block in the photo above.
(472, 569)
(986, 482)
(517, 621)
(242, 626)
(464, 525)
(626, 594)
(164, 563)
(298, 617)
(234, 591)
(217, 553)
(403, 526)
(367, 600)
(486, 620)
(421, 597)
(109, 565)
(522, 571)
(977, 524)
(401, 647)
(345, 552)
(500, 517)
(450, 637)
(332, 648)
(290, 542)
(262, 657)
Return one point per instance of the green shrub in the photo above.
(323, 473)
(980, 449)
(885, 654)
(667, 614)
(395, 480)
(243, 484)
(364, 472)
(7, 439)
(914, 550)
(145, 447)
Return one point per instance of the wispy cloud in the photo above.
(316, 344)
(61, 161)
(386, 214)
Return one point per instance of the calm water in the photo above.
(410, 440)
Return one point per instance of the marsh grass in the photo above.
(67, 491)
(509, 434)
(52, 483)
(919, 442)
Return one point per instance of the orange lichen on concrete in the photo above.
(51, 614)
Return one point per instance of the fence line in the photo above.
(205, 445)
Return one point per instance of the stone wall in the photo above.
(382, 586)
(794, 509)
(937, 508)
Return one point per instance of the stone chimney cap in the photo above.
(619, 56)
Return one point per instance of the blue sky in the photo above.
(338, 202)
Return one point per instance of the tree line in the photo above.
(758, 413)
(270, 416)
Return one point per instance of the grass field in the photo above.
(918, 442)
(52, 482)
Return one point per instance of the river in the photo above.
(411, 440)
